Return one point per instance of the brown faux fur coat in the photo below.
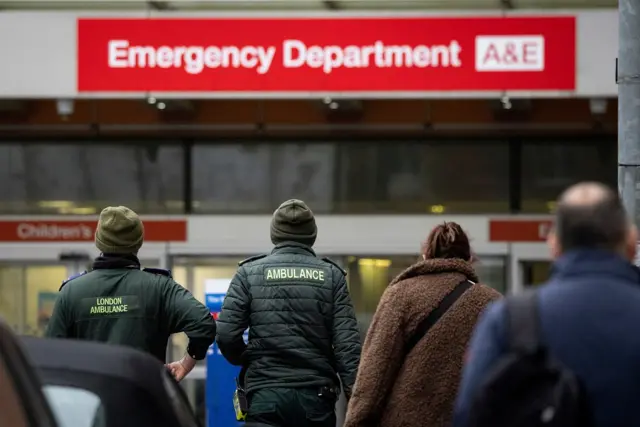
(419, 390)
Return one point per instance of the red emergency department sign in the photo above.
(327, 54)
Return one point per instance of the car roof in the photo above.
(117, 362)
(126, 380)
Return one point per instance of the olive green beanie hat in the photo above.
(293, 221)
(119, 231)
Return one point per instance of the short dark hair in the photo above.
(600, 224)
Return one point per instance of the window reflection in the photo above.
(75, 407)
(80, 179)
(548, 168)
(258, 177)
(426, 177)
(381, 176)
(420, 176)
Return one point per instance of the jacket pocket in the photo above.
(264, 413)
(263, 408)
(320, 419)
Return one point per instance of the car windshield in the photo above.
(75, 407)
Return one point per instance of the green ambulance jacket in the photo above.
(131, 307)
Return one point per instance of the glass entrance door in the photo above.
(12, 304)
(28, 292)
(535, 273)
(193, 272)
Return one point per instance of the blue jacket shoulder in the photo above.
(75, 276)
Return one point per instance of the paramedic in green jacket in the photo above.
(303, 333)
(118, 302)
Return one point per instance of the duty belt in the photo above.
(329, 392)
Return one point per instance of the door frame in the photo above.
(520, 254)
(188, 262)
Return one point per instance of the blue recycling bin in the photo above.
(221, 378)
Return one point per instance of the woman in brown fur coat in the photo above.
(418, 389)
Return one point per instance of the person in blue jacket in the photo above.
(589, 309)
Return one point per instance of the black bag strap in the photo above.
(240, 379)
(437, 313)
(524, 323)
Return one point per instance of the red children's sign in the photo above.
(519, 230)
(83, 231)
(327, 54)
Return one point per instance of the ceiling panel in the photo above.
(417, 4)
(559, 4)
(171, 5)
(283, 5)
(73, 5)
(255, 5)
(471, 4)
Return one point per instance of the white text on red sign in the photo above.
(30, 231)
(510, 53)
(544, 228)
(295, 54)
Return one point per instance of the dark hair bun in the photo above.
(447, 240)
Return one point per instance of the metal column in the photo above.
(628, 76)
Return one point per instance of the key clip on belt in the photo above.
(240, 403)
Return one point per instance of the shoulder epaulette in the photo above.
(75, 276)
(332, 262)
(160, 271)
(253, 258)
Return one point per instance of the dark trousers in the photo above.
(289, 407)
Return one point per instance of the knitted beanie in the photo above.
(293, 221)
(119, 231)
